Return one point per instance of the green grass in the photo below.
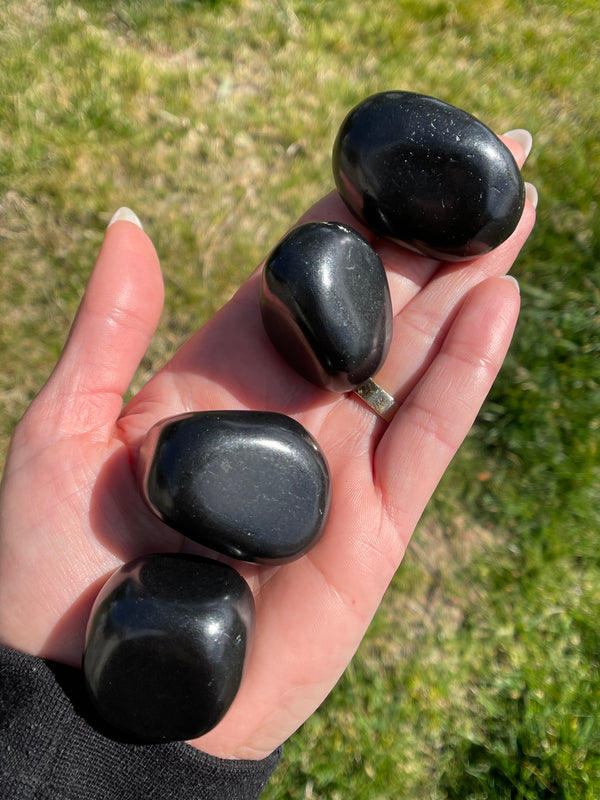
(214, 121)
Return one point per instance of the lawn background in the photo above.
(214, 121)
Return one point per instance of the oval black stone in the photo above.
(325, 304)
(166, 646)
(253, 485)
(428, 175)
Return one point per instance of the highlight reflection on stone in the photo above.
(253, 485)
(166, 646)
(326, 305)
(428, 175)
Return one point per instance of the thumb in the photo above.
(115, 321)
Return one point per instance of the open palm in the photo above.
(70, 510)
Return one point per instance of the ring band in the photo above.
(380, 401)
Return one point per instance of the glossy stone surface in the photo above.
(428, 175)
(166, 646)
(251, 484)
(326, 306)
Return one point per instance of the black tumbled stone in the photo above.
(166, 646)
(326, 305)
(428, 175)
(253, 485)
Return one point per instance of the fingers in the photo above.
(117, 317)
(366, 538)
(426, 294)
(520, 142)
(438, 413)
(422, 323)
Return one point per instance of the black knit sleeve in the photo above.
(52, 749)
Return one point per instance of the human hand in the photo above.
(71, 512)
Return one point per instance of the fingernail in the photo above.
(531, 193)
(512, 280)
(522, 137)
(125, 214)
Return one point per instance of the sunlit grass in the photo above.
(214, 121)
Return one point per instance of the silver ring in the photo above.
(380, 401)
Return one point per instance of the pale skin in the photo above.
(71, 512)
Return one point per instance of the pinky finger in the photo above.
(436, 416)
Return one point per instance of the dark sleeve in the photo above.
(50, 751)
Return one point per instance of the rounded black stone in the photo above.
(166, 646)
(428, 175)
(253, 485)
(326, 305)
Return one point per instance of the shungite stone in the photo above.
(253, 485)
(326, 305)
(428, 175)
(166, 646)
